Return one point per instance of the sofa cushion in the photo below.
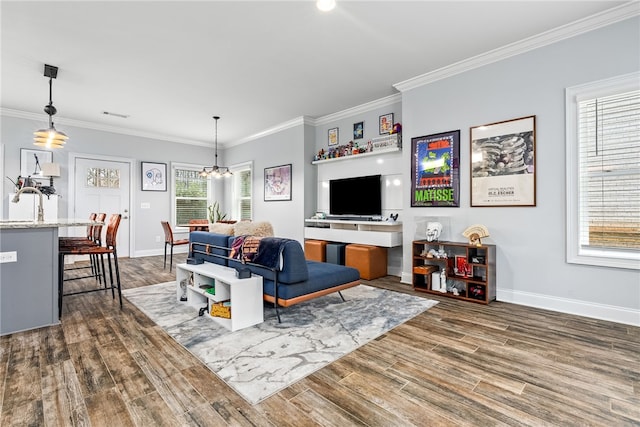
(321, 276)
(249, 228)
(293, 268)
(220, 228)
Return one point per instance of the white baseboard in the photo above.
(565, 305)
(154, 252)
(593, 310)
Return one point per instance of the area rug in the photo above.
(263, 359)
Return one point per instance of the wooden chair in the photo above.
(170, 241)
(98, 251)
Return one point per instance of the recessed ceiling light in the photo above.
(326, 5)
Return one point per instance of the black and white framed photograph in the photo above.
(333, 136)
(277, 183)
(503, 157)
(385, 123)
(154, 176)
(31, 161)
(358, 130)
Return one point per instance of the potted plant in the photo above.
(215, 214)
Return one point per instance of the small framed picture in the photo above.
(277, 183)
(154, 176)
(333, 136)
(358, 130)
(31, 161)
(386, 123)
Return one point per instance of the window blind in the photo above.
(609, 172)
(191, 195)
(244, 184)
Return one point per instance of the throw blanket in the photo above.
(270, 252)
(265, 251)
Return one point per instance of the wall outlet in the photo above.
(158, 239)
(8, 257)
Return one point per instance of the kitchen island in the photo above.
(29, 273)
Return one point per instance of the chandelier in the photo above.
(50, 138)
(215, 170)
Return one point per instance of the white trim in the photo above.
(99, 127)
(611, 313)
(160, 252)
(270, 131)
(360, 109)
(573, 95)
(599, 20)
(2, 175)
(71, 206)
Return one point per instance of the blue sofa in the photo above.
(293, 280)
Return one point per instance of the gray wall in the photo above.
(280, 148)
(530, 241)
(18, 133)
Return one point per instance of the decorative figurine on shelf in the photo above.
(369, 146)
(433, 231)
(183, 290)
(474, 233)
(443, 280)
(397, 128)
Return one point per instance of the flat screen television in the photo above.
(361, 196)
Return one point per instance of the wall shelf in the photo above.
(381, 145)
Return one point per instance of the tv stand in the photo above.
(366, 232)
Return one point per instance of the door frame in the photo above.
(71, 207)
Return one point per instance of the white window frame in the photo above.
(235, 199)
(210, 191)
(574, 95)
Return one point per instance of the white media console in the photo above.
(376, 233)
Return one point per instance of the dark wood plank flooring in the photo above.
(459, 363)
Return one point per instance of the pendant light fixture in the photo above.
(50, 138)
(215, 170)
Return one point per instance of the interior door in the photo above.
(103, 186)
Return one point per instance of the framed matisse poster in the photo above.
(435, 170)
(503, 157)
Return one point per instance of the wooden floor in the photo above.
(459, 363)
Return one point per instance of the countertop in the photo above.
(12, 224)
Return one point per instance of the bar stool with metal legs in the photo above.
(108, 249)
(93, 238)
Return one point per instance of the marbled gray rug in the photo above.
(263, 359)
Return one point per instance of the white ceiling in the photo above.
(171, 66)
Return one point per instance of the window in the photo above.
(603, 174)
(242, 191)
(192, 193)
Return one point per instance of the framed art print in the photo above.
(31, 161)
(385, 123)
(503, 158)
(154, 176)
(358, 130)
(435, 170)
(333, 136)
(277, 183)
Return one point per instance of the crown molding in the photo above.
(302, 120)
(360, 109)
(608, 17)
(95, 126)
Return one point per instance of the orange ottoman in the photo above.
(371, 261)
(315, 250)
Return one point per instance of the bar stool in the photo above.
(99, 251)
(93, 238)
